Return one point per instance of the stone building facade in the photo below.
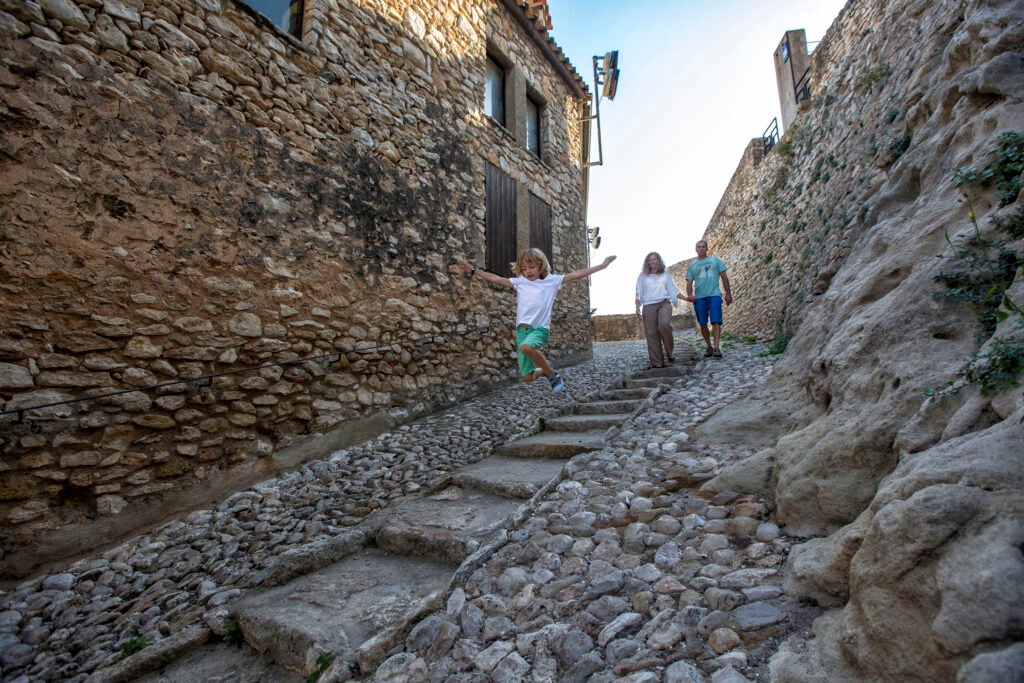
(238, 239)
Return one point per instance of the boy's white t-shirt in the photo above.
(535, 299)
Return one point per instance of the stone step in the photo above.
(623, 394)
(354, 611)
(608, 407)
(505, 476)
(355, 596)
(219, 661)
(585, 423)
(650, 382)
(553, 445)
(447, 526)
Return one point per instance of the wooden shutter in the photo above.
(540, 227)
(500, 222)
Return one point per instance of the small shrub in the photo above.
(997, 370)
(731, 341)
(783, 335)
(233, 633)
(898, 147)
(785, 148)
(133, 645)
(1012, 224)
(984, 269)
(876, 75)
(323, 662)
(1004, 171)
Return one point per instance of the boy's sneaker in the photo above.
(718, 354)
(556, 382)
(709, 353)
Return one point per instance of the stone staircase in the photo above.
(339, 606)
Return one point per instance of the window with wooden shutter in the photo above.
(540, 227)
(500, 221)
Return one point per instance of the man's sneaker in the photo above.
(718, 354)
(709, 353)
(556, 382)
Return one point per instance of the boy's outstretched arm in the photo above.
(473, 271)
(584, 272)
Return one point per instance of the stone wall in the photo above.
(787, 219)
(629, 326)
(186, 191)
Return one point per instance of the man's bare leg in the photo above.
(707, 337)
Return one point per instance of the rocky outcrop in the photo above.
(906, 479)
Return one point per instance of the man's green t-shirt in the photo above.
(705, 276)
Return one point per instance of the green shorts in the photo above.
(534, 337)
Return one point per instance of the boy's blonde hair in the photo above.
(533, 255)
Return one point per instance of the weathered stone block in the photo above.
(16, 486)
(15, 377)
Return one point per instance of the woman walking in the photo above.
(656, 294)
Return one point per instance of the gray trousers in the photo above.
(658, 330)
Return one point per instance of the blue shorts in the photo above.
(534, 337)
(708, 306)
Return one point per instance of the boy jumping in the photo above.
(536, 287)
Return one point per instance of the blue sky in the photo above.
(697, 84)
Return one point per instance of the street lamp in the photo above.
(606, 83)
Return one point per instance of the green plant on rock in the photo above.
(783, 335)
(983, 268)
(233, 632)
(133, 645)
(1012, 224)
(982, 271)
(998, 369)
(876, 75)
(731, 341)
(898, 147)
(1004, 170)
(323, 662)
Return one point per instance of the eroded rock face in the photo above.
(917, 503)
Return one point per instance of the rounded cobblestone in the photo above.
(602, 581)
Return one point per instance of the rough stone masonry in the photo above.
(188, 192)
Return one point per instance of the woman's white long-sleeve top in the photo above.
(650, 289)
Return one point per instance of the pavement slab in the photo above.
(339, 608)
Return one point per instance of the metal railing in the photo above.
(770, 136)
(802, 88)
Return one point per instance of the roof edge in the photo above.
(535, 17)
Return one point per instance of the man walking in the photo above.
(705, 273)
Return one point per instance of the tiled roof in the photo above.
(538, 15)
